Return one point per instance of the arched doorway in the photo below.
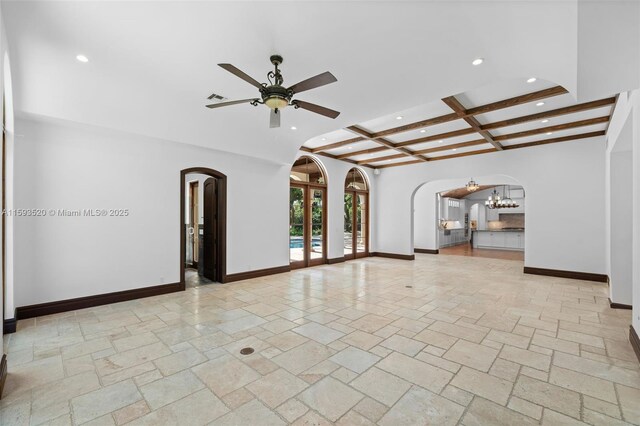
(307, 213)
(356, 215)
(203, 214)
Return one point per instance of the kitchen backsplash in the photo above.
(509, 220)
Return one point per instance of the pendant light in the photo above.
(472, 186)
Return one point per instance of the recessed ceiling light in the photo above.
(399, 117)
(540, 104)
(439, 141)
(549, 133)
(546, 120)
(370, 155)
(453, 149)
(324, 139)
(82, 58)
(350, 147)
(531, 80)
(294, 128)
(423, 131)
(477, 61)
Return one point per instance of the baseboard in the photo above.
(31, 311)
(614, 305)
(336, 260)
(3, 373)
(427, 251)
(635, 341)
(394, 255)
(255, 274)
(586, 276)
(9, 325)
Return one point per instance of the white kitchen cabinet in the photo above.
(505, 240)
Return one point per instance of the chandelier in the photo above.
(472, 185)
(496, 202)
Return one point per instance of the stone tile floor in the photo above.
(473, 342)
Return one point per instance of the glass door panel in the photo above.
(361, 218)
(316, 243)
(348, 223)
(296, 224)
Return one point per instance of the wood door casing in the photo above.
(209, 243)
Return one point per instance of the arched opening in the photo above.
(449, 218)
(307, 213)
(356, 215)
(203, 241)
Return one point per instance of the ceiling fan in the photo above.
(276, 96)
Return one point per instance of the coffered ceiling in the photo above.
(514, 115)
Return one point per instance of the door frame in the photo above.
(221, 258)
(307, 225)
(194, 188)
(354, 235)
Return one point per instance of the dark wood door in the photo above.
(209, 244)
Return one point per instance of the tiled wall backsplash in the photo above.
(513, 220)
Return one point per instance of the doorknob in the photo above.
(190, 230)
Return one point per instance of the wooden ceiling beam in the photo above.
(364, 151)
(378, 159)
(506, 147)
(553, 113)
(463, 154)
(445, 135)
(556, 140)
(385, 142)
(518, 100)
(451, 146)
(564, 126)
(326, 154)
(417, 125)
(404, 163)
(337, 144)
(459, 109)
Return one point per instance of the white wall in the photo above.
(425, 211)
(336, 174)
(556, 238)
(64, 165)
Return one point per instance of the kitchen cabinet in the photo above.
(504, 240)
(452, 237)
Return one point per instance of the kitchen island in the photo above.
(500, 239)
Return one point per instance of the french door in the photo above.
(356, 224)
(307, 225)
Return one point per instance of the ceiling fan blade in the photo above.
(222, 104)
(235, 71)
(313, 82)
(274, 118)
(316, 108)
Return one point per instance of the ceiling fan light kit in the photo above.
(276, 96)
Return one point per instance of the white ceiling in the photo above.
(152, 64)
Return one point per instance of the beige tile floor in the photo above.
(473, 341)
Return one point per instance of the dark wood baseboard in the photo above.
(614, 305)
(9, 325)
(586, 276)
(31, 311)
(427, 251)
(394, 255)
(635, 341)
(255, 274)
(336, 260)
(3, 373)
